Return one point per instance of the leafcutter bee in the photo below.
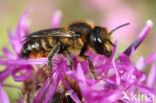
(75, 38)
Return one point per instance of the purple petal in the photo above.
(20, 100)
(109, 60)
(140, 39)
(56, 19)
(80, 73)
(81, 79)
(150, 58)
(24, 61)
(116, 72)
(128, 68)
(151, 81)
(52, 87)
(114, 96)
(86, 92)
(3, 96)
(8, 54)
(5, 73)
(16, 37)
(140, 64)
(15, 42)
(72, 94)
(25, 74)
(22, 27)
(42, 92)
(132, 51)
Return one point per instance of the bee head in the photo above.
(100, 41)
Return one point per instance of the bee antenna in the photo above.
(120, 26)
(110, 42)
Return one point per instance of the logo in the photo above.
(138, 97)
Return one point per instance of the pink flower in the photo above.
(118, 78)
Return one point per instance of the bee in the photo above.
(75, 38)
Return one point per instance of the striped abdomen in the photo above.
(39, 47)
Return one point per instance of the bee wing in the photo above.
(61, 34)
(58, 32)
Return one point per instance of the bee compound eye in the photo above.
(99, 40)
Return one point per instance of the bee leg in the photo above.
(50, 56)
(90, 65)
(69, 60)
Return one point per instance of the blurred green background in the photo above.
(107, 13)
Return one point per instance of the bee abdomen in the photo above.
(37, 48)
